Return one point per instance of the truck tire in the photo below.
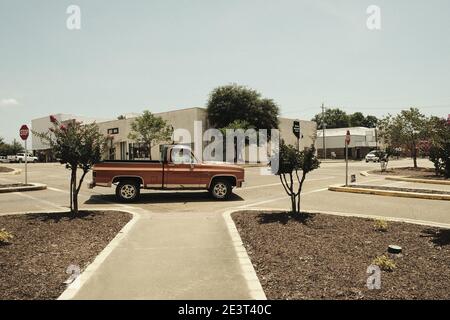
(220, 189)
(128, 191)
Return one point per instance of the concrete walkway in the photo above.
(171, 256)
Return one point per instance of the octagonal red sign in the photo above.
(24, 132)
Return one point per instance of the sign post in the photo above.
(296, 131)
(347, 142)
(24, 132)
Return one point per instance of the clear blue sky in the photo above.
(163, 55)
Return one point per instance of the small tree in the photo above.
(291, 161)
(77, 146)
(404, 130)
(150, 130)
(439, 150)
(384, 156)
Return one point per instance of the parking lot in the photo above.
(260, 191)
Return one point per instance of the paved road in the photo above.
(180, 249)
(260, 191)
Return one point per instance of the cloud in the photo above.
(8, 102)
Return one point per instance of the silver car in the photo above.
(4, 159)
(373, 156)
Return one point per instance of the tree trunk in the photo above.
(75, 202)
(300, 186)
(293, 203)
(74, 205)
(414, 154)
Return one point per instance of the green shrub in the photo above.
(381, 225)
(5, 236)
(384, 263)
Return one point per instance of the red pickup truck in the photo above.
(178, 169)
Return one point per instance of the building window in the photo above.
(139, 151)
(113, 131)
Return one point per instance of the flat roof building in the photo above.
(362, 141)
(120, 147)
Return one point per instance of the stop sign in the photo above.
(347, 137)
(24, 132)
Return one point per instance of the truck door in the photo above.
(183, 170)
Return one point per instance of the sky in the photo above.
(163, 55)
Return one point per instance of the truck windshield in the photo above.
(182, 156)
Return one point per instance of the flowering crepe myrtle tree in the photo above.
(291, 161)
(78, 146)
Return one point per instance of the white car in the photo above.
(3, 159)
(20, 157)
(373, 156)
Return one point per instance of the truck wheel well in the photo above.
(137, 180)
(230, 179)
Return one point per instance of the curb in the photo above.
(14, 172)
(380, 192)
(392, 219)
(364, 173)
(366, 216)
(429, 181)
(33, 187)
(78, 283)
(253, 284)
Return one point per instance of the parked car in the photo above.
(373, 156)
(20, 157)
(178, 169)
(4, 159)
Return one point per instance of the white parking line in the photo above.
(57, 190)
(48, 203)
(280, 198)
(279, 183)
(88, 196)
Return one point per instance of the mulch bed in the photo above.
(410, 172)
(5, 169)
(428, 191)
(34, 264)
(318, 256)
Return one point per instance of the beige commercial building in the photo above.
(362, 141)
(191, 120)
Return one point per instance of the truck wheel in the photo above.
(127, 191)
(220, 189)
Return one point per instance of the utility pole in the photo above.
(324, 125)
